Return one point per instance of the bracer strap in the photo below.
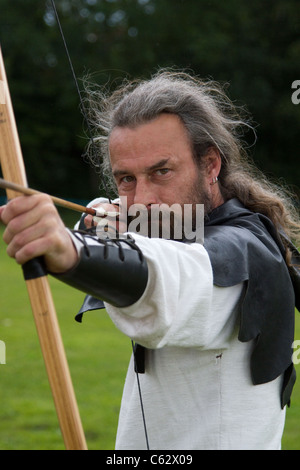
(114, 271)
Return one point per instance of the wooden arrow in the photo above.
(37, 283)
(97, 211)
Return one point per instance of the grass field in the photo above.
(98, 355)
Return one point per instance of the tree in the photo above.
(252, 46)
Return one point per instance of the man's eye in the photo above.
(127, 179)
(162, 171)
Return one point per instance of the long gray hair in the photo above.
(210, 119)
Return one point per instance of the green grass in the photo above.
(98, 355)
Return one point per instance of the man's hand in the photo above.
(34, 228)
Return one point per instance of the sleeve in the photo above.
(180, 306)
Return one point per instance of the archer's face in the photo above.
(153, 163)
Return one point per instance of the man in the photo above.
(214, 321)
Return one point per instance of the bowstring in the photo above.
(82, 106)
(140, 396)
(83, 110)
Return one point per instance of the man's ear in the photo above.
(213, 162)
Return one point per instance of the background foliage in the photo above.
(253, 46)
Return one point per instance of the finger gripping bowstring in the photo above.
(84, 112)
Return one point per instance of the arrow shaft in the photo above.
(18, 188)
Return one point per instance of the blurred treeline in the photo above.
(253, 46)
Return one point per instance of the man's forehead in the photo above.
(148, 144)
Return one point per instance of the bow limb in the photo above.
(13, 169)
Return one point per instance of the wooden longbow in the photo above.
(37, 283)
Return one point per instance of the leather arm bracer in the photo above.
(114, 271)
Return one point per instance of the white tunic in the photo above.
(197, 390)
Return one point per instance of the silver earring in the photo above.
(214, 181)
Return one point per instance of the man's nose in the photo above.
(145, 193)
